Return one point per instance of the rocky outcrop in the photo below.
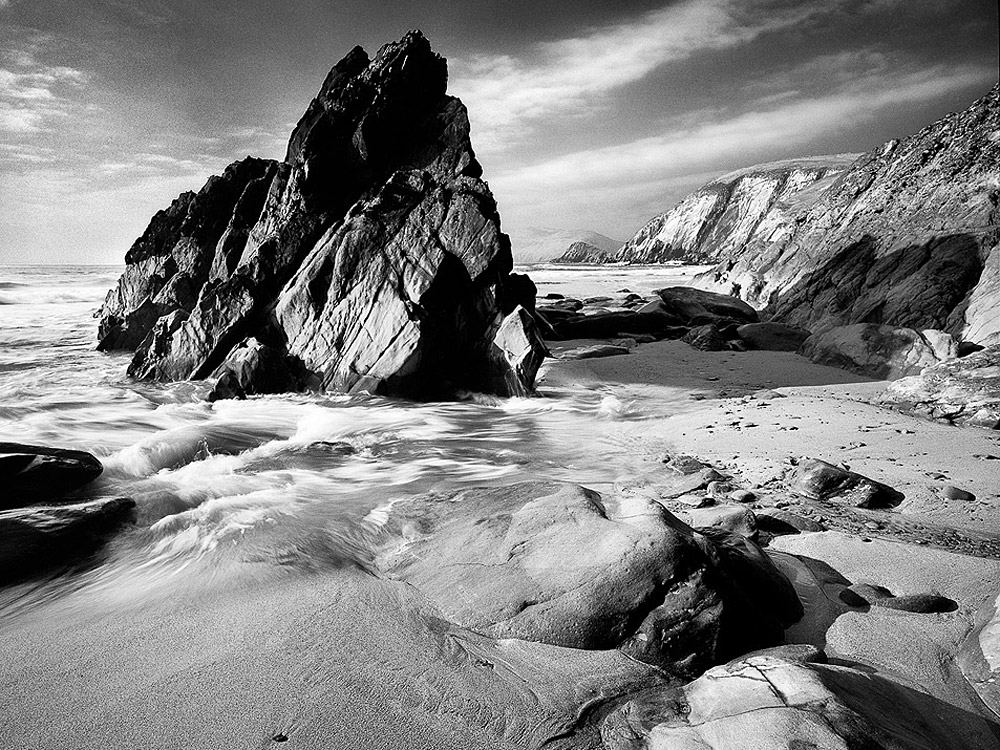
(877, 351)
(962, 391)
(372, 255)
(34, 473)
(772, 701)
(559, 564)
(36, 540)
(771, 336)
(905, 237)
(583, 252)
(722, 218)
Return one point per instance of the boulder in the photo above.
(962, 391)
(609, 325)
(766, 701)
(38, 539)
(878, 351)
(372, 254)
(34, 473)
(733, 518)
(697, 306)
(707, 338)
(772, 336)
(597, 351)
(819, 480)
(556, 563)
(779, 521)
(519, 351)
(251, 369)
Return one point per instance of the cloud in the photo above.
(631, 181)
(32, 94)
(508, 95)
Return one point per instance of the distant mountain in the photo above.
(758, 203)
(583, 252)
(541, 245)
(907, 236)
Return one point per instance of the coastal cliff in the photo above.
(907, 237)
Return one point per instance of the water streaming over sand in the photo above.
(291, 480)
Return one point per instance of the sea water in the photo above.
(294, 480)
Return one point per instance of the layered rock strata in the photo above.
(371, 256)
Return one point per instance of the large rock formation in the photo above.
(583, 252)
(371, 255)
(755, 205)
(559, 564)
(905, 237)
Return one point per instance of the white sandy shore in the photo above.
(338, 659)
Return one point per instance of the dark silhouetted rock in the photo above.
(879, 351)
(707, 338)
(555, 563)
(252, 369)
(771, 336)
(34, 473)
(820, 480)
(919, 603)
(36, 540)
(693, 306)
(779, 521)
(963, 391)
(609, 325)
(372, 254)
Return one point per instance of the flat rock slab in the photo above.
(766, 701)
(696, 306)
(555, 563)
(33, 473)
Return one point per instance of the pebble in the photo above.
(873, 525)
(742, 496)
(950, 492)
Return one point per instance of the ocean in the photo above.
(293, 481)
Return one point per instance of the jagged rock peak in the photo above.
(372, 256)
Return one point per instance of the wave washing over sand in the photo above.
(217, 479)
(248, 605)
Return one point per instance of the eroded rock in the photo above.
(819, 480)
(372, 253)
(556, 563)
(33, 473)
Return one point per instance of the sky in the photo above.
(585, 115)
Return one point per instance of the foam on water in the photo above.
(290, 481)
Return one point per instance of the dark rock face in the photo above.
(698, 307)
(771, 336)
(555, 563)
(906, 237)
(254, 368)
(372, 254)
(706, 337)
(962, 391)
(878, 351)
(33, 473)
(819, 480)
(38, 539)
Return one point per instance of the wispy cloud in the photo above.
(32, 94)
(509, 95)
